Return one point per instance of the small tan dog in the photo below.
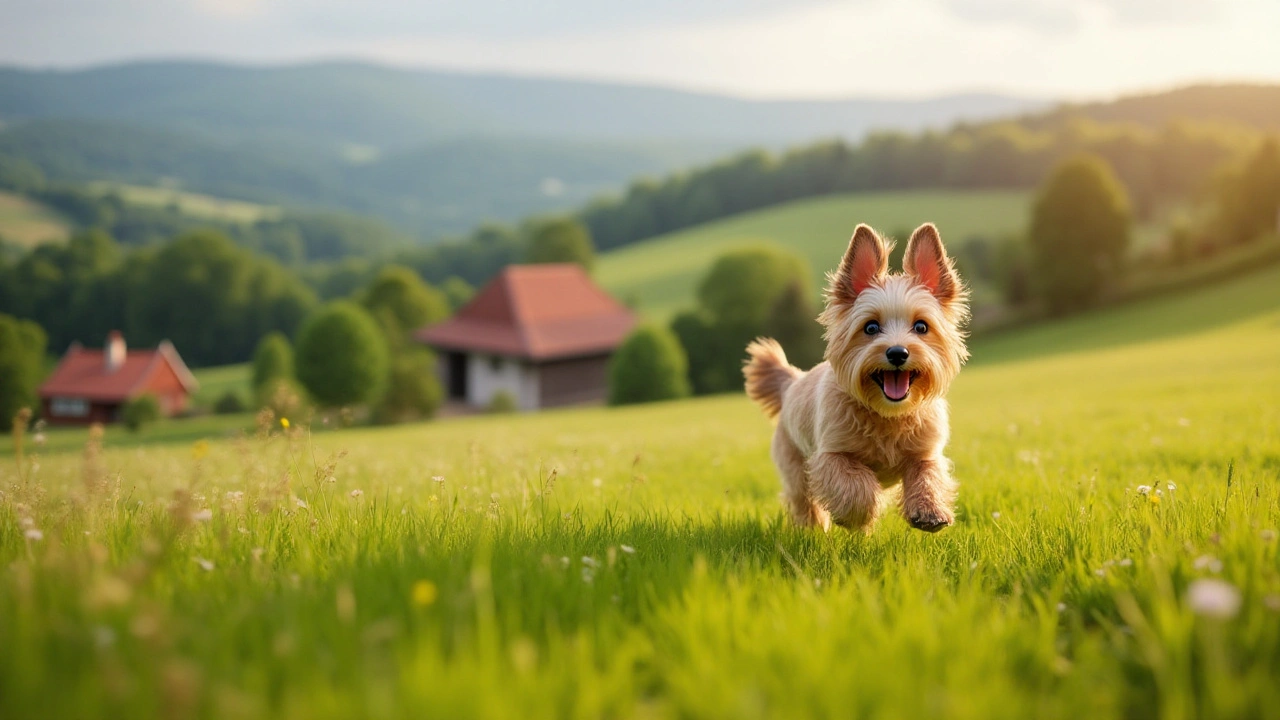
(874, 413)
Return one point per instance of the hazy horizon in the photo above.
(757, 49)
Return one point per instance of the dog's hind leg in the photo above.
(795, 483)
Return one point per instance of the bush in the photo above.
(413, 390)
(229, 404)
(650, 366)
(142, 410)
(502, 402)
(402, 302)
(273, 360)
(341, 355)
(22, 346)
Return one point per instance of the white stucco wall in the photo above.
(517, 378)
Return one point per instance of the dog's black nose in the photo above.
(897, 355)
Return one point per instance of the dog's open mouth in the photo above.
(894, 383)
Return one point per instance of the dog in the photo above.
(874, 413)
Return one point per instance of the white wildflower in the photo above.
(627, 549)
(1172, 487)
(1062, 607)
(206, 565)
(1213, 598)
(27, 522)
(357, 493)
(301, 503)
(564, 562)
(1126, 562)
(995, 515)
(590, 561)
(1100, 572)
(1208, 562)
(437, 478)
(204, 515)
(1144, 489)
(33, 534)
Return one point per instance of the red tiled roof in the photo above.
(82, 373)
(539, 312)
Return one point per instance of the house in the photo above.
(542, 333)
(90, 386)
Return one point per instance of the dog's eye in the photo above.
(871, 328)
(920, 327)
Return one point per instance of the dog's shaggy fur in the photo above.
(852, 428)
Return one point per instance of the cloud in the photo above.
(1063, 16)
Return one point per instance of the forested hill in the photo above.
(1250, 105)
(387, 108)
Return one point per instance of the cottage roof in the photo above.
(83, 373)
(537, 312)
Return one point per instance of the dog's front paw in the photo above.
(930, 521)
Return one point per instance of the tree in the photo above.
(561, 240)
(793, 322)
(402, 302)
(742, 286)
(1249, 196)
(649, 366)
(1079, 233)
(458, 291)
(273, 360)
(413, 390)
(22, 347)
(747, 293)
(341, 355)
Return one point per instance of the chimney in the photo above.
(115, 351)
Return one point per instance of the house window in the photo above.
(495, 363)
(69, 407)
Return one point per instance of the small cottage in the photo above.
(90, 386)
(544, 334)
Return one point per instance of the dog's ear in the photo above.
(926, 261)
(865, 263)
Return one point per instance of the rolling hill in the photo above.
(27, 223)
(661, 275)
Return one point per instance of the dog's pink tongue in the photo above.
(896, 384)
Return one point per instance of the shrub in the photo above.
(650, 366)
(502, 402)
(561, 240)
(413, 390)
(22, 345)
(142, 410)
(273, 360)
(229, 404)
(341, 355)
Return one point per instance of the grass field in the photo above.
(27, 223)
(662, 274)
(635, 562)
(217, 381)
(193, 204)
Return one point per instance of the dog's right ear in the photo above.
(865, 263)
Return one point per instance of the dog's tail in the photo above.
(768, 374)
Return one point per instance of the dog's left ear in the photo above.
(926, 261)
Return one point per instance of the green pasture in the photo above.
(27, 223)
(635, 563)
(189, 203)
(662, 274)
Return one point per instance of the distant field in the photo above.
(216, 381)
(634, 562)
(28, 223)
(193, 204)
(662, 274)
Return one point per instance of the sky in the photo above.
(1071, 49)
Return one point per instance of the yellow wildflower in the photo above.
(284, 423)
(424, 593)
(200, 449)
(1155, 499)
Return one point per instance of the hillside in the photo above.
(661, 275)
(26, 223)
(635, 561)
(337, 104)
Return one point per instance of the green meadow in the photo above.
(188, 203)
(1115, 555)
(27, 223)
(661, 275)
